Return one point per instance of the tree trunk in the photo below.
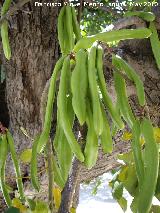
(33, 38)
(35, 50)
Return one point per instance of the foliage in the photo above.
(96, 19)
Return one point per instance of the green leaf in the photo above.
(157, 134)
(12, 210)
(72, 210)
(127, 136)
(126, 157)
(26, 155)
(117, 191)
(31, 204)
(133, 205)
(155, 209)
(41, 207)
(123, 203)
(129, 179)
(95, 189)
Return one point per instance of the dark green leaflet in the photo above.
(49, 108)
(16, 164)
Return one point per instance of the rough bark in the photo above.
(35, 50)
(33, 38)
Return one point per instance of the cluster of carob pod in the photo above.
(83, 94)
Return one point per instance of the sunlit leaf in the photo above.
(157, 134)
(17, 204)
(41, 207)
(117, 190)
(126, 157)
(142, 141)
(127, 136)
(123, 203)
(123, 174)
(26, 155)
(95, 189)
(72, 210)
(129, 179)
(57, 197)
(133, 205)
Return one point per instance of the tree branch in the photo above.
(126, 22)
(69, 189)
(13, 10)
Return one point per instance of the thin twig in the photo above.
(68, 191)
(125, 22)
(13, 10)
